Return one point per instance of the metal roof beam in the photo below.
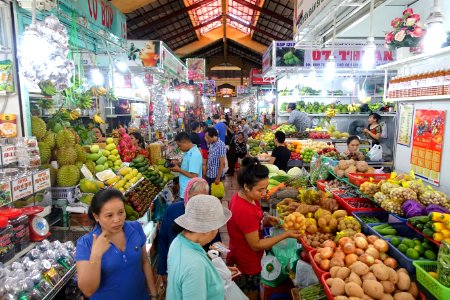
(265, 11)
(193, 28)
(150, 26)
(257, 29)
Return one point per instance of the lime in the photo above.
(417, 241)
(408, 242)
(419, 249)
(402, 248)
(427, 245)
(429, 254)
(396, 241)
(412, 254)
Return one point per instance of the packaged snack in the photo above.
(6, 83)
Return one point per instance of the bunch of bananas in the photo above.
(330, 112)
(47, 88)
(97, 119)
(97, 91)
(353, 107)
(74, 114)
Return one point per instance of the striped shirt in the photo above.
(300, 120)
(215, 152)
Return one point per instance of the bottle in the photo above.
(413, 85)
(446, 83)
(440, 82)
(391, 87)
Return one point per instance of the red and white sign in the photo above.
(345, 58)
(22, 187)
(41, 180)
(148, 79)
(256, 78)
(9, 155)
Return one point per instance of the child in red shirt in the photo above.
(245, 227)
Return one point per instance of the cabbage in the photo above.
(272, 168)
(412, 208)
(435, 208)
(295, 171)
(282, 173)
(272, 175)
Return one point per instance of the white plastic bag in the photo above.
(304, 274)
(376, 153)
(232, 291)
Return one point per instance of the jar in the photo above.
(25, 142)
(19, 223)
(6, 240)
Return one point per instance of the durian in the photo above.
(64, 137)
(45, 152)
(79, 164)
(66, 155)
(49, 139)
(53, 173)
(81, 154)
(68, 175)
(38, 127)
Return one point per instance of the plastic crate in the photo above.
(346, 203)
(68, 193)
(321, 184)
(422, 234)
(323, 280)
(438, 290)
(305, 246)
(319, 272)
(402, 231)
(358, 178)
(383, 216)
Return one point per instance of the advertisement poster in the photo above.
(209, 87)
(405, 124)
(427, 142)
(287, 56)
(196, 69)
(144, 53)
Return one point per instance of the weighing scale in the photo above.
(39, 227)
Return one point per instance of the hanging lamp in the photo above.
(436, 34)
(368, 59)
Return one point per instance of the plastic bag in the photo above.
(232, 291)
(304, 275)
(217, 190)
(376, 153)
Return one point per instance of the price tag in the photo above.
(41, 180)
(8, 154)
(22, 187)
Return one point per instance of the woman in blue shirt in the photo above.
(191, 274)
(112, 261)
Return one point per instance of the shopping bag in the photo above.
(376, 153)
(232, 291)
(217, 190)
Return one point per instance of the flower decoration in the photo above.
(407, 31)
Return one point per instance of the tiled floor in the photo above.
(231, 186)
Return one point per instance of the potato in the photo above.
(359, 268)
(337, 287)
(365, 297)
(413, 289)
(329, 281)
(403, 280)
(343, 273)
(404, 296)
(333, 271)
(388, 287)
(355, 278)
(393, 277)
(386, 297)
(340, 298)
(353, 290)
(369, 276)
(373, 288)
(380, 271)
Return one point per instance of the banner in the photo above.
(209, 88)
(345, 58)
(427, 144)
(256, 78)
(145, 53)
(287, 56)
(267, 59)
(405, 124)
(172, 64)
(196, 69)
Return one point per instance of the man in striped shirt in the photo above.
(297, 118)
(216, 157)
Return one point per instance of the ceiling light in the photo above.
(349, 84)
(368, 59)
(121, 66)
(436, 34)
(97, 77)
(330, 68)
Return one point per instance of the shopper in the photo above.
(138, 142)
(245, 227)
(238, 149)
(203, 147)
(208, 122)
(191, 165)
(220, 127)
(353, 144)
(196, 186)
(112, 260)
(195, 130)
(281, 154)
(191, 275)
(245, 128)
(216, 157)
(297, 118)
(373, 130)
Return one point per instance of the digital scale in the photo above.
(39, 227)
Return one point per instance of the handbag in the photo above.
(217, 190)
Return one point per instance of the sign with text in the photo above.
(9, 155)
(196, 69)
(256, 78)
(267, 59)
(22, 187)
(345, 58)
(209, 88)
(173, 65)
(41, 180)
(287, 56)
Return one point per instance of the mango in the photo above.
(93, 156)
(118, 163)
(125, 171)
(109, 140)
(120, 184)
(128, 177)
(110, 147)
(134, 172)
(99, 168)
(112, 180)
(112, 158)
(101, 160)
(106, 153)
(94, 148)
(115, 152)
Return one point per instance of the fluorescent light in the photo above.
(348, 84)
(368, 59)
(97, 77)
(330, 68)
(436, 34)
(121, 66)
(118, 80)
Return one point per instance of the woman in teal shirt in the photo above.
(191, 275)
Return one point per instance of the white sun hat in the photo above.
(203, 214)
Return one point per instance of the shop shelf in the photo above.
(437, 289)
(358, 179)
(422, 234)
(402, 231)
(319, 272)
(57, 288)
(383, 216)
(423, 98)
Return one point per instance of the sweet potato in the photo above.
(337, 287)
(403, 280)
(380, 271)
(355, 278)
(373, 288)
(359, 268)
(388, 287)
(333, 271)
(413, 289)
(387, 297)
(353, 290)
(403, 296)
(368, 276)
(343, 273)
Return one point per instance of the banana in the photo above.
(330, 112)
(97, 119)
(73, 115)
(94, 91)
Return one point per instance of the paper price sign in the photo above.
(41, 180)
(8, 154)
(22, 187)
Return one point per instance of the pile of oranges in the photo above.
(295, 146)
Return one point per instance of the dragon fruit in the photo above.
(125, 147)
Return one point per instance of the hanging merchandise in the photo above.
(42, 53)
(252, 105)
(160, 116)
(207, 106)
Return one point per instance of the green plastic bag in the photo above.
(217, 190)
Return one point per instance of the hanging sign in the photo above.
(41, 180)
(405, 124)
(256, 78)
(148, 79)
(209, 88)
(287, 56)
(196, 69)
(22, 187)
(127, 81)
(145, 53)
(427, 144)
(345, 58)
(305, 10)
(102, 14)
(173, 65)
(267, 59)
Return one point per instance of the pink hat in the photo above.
(187, 190)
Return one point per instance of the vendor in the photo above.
(353, 144)
(373, 131)
(246, 225)
(297, 118)
(99, 135)
(281, 154)
(112, 260)
(138, 141)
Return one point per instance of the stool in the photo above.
(281, 292)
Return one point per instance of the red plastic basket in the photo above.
(321, 184)
(346, 203)
(319, 272)
(358, 178)
(422, 234)
(305, 245)
(323, 281)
